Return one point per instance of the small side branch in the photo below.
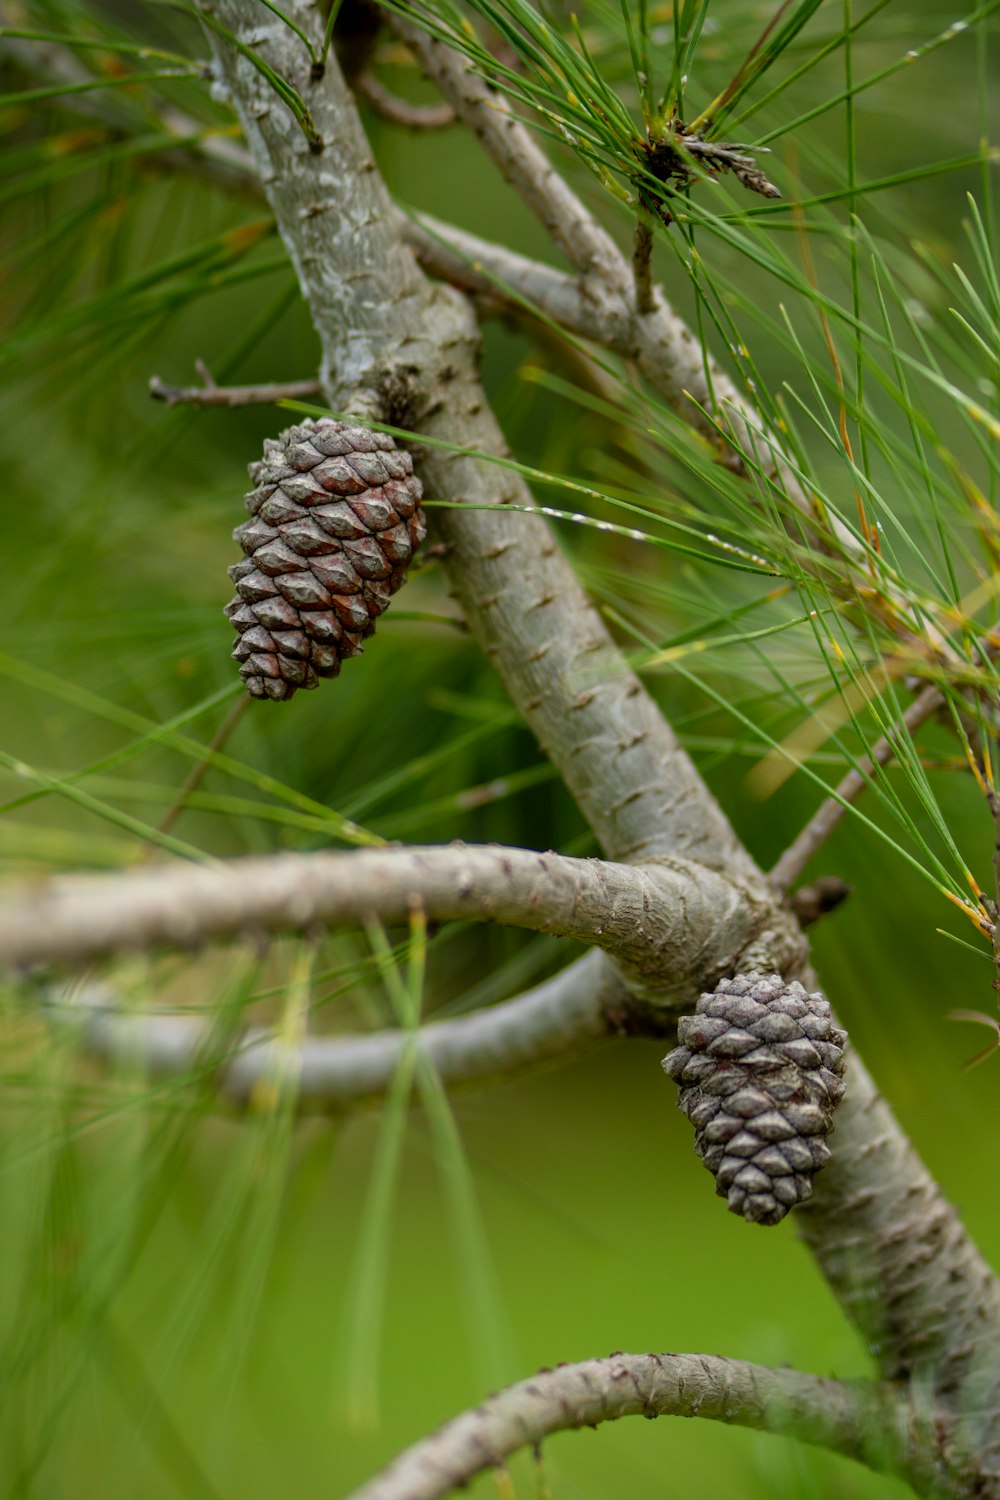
(210, 394)
(488, 115)
(559, 1018)
(667, 921)
(400, 111)
(860, 1419)
(829, 813)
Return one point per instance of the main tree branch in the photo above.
(860, 1419)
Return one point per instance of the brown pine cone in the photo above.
(335, 521)
(760, 1067)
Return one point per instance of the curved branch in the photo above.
(558, 1019)
(862, 1419)
(401, 111)
(672, 922)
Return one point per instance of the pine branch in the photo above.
(493, 563)
(210, 394)
(199, 151)
(861, 1419)
(671, 350)
(572, 1012)
(664, 348)
(376, 318)
(672, 922)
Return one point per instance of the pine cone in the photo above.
(760, 1067)
(335, 520)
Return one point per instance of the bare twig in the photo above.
(558, 1019)
(486, 112)
(400, 111)
(829, 813)
(659, 918)
(197, 773)
(642, 269)
(669, 354)
(861, 1419)
(210, 394)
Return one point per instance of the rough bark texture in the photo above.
(901, 1265)
(861, 1420)
(666, 922)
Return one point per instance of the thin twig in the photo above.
(829, 813)
(210, 394)
(197, 773)
(862, 1419)
(822, 896)
(401, 111)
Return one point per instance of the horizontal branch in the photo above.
(559, 1018)
(861, 1419)
(669, 921)
(210, 394)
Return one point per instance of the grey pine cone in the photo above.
(335, 520)
(760, 1067)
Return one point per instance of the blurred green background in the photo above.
(198, 1307)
